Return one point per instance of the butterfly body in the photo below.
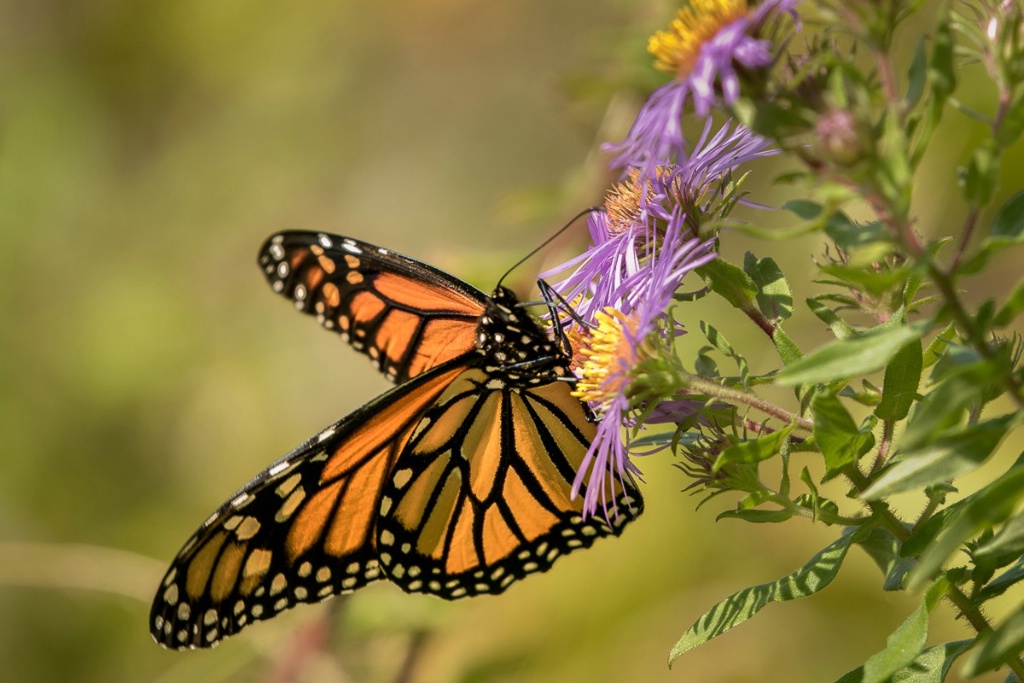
(456, 482)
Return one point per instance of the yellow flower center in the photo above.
(676, 50)
(623, 201)
(606, 358)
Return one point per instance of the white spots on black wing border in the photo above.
(178, 624)
(403, 566)
(277, 468)
(275, 266)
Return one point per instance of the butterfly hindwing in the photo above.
(481, 494)
(300, 531)
(405, 315)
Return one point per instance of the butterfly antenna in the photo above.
(551, 296)
(548, 241)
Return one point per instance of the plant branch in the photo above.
(979, 623)
(970, 332)
(709, 388)
(880, 509)
(884, 446)
(762, 322)
(965, 236)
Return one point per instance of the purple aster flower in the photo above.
(622, 339)
(705, 45)
(611, 272)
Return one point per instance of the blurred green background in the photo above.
(147, 371)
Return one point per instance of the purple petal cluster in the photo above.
(656, 137)
(611, 273)
(649, 237)
(607, 462)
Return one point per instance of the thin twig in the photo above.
(413, 655)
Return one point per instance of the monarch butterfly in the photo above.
(456, 482)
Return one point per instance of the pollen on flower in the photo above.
(622, 203)
(625, 202)
(606, 357)
(676, 50)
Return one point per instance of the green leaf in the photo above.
(858, 355)
(982, 174)
(925, 534)
(841, 442)
(997, 646)
(943, 459)
(767, 117)
(647, 440)
(1002, 583)
(1013, 122)
(774, 298)
(1006, 546)
(931, 666)
(964, 382)
(937, 349)
(988, 507)
(899, 389)
(906, 642)
(803, 208)
(725, 348)
(840, 328)
(941, 71)
(864, 243)
(884, 549)
(754, 450)
(757, 516)
(821, 508)
(704, 365)
(738, 607)
(875, 282)
(1009, 222)
(789, 352)
(815, 498)
(1011, 308)
(731, 283)
(893, 172)
(869, 395)
(916, 75)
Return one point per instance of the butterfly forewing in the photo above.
(406, 316)
(300, 531)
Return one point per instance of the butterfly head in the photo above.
(518, 349)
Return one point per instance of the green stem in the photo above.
(830, 518)
(762, 322)
(965, 236)
(979, 623)
(880, 509)
(934, 501)
(883, 447)
(970, 332)
(823, 515)
(707, 387)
